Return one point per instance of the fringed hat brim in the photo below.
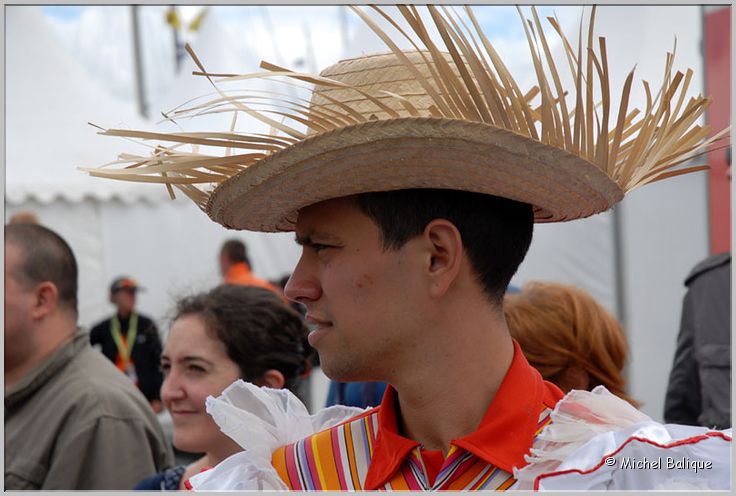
(446, 115)
(406, 153)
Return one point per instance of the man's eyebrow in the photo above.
(309, 238)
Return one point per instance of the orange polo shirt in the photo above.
(504, 436)
(240, 273)
(368, 453)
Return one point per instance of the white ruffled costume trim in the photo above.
(261, 420)
(597, 441)
(570, 453)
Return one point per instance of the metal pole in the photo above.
(619, 276)
(272, 31)
(178, 52)
(138, 63)
(311, 59)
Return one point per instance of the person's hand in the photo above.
(157, 406)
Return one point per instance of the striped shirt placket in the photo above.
(416, 470)
(416, 464)
(456, 466)
(484, 477)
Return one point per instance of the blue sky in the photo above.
(63, 12)
(99, 36)
(500, 19)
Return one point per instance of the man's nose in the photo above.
(303, 286)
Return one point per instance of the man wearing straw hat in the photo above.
(413, 194)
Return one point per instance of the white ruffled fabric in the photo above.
(597, 441)
(571, 453)
(261, 420)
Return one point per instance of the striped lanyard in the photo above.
(124, 348)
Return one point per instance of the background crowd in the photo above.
(80, 406)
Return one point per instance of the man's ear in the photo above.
(46, 300)
(446, 253)
(273, 378)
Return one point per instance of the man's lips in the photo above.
(320, 328)
(319, 323)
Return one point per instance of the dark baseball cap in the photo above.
(124, 283)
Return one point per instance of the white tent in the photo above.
(113, 227)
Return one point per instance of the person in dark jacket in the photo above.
(131, 341)
(699, 390)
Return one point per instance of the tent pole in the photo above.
(619, 277)
(138, 63)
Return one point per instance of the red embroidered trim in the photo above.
(689, 440)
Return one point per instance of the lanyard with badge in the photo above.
(125, 345)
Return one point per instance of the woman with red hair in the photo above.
(572, 340)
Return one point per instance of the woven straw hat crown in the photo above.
(384, 76)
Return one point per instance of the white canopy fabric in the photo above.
(114, 228)
(49, 101)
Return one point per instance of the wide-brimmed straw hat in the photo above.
(449, 117)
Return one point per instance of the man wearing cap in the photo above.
(131, 341)
(413, 193)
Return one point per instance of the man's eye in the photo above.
(196, 369)
(319, 247)
(165, 368)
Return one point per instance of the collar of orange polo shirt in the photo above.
(504, 436)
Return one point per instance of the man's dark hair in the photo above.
(45, 257)
(496, 232)
(236, 251)
(259, 331)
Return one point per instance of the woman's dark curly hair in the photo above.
(259, 331)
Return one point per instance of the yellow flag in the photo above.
(172, 18)
(197, 22)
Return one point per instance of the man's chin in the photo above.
(342, 372)
(335, 371)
